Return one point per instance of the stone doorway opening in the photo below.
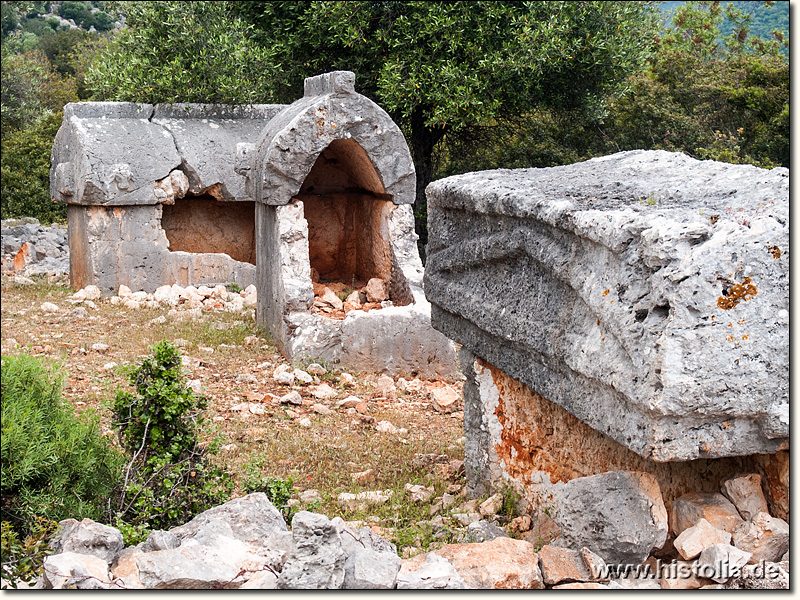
(205, 225)
(347, 210)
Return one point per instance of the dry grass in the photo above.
(321, 456)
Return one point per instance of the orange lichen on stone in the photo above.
(605, 293)
(738, 292)
(776, 252)
(540, 437)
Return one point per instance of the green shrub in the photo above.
(168, 479)
(25, 169)
(23, 557)
(54, 463)
(277, 490)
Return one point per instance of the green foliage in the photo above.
(443, 68)
(60, 48)
(168, 479)
(182, 52)
(726, 101)
(77, 11)
(9, 19)
(25, 172)
(277, 490)
(30, 89)
(54, 464)
(234, 287)
(22, 558)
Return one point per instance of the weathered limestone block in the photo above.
(87, 537)
(745, 493)
(713, 507)
(501, 563)
(514, 435)
(73, 568)
(252, 519)
(110, 153)
(317, 560)
(645, 292)
(619, 515)
(766, 537)
(207, 136)
(693, 540)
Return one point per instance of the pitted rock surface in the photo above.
(645, 292)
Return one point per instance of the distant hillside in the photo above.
(765, 19)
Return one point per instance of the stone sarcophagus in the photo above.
(310, 201)
(628, 312)
(152, 194)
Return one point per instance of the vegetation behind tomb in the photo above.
(473, 85)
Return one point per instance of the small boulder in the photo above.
(284, 378)
(435, 573)
(385, 388)
(292, 397)
(562, 565)
(88, 537)
(317, 558)
(419, 493)
(720, 561)
(316, 369)
(766, 537)
(619, 515)
(745, 493)
(692, 541)
(445, 400)
(492, 505)
(302, 376)
(711, 506)
(482, 531)
(377, 290)
(323, 392)
(501, 563)
(60, 569)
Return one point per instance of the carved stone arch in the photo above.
(331, 112)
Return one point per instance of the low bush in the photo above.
(55, 465)
(168, 479)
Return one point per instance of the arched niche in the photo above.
(346, 210)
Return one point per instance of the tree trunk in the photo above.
(423, 141)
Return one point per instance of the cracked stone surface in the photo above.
(121, 166)
(645, 292)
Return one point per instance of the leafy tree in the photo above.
(60, 48)
(711, 97)
(182, 52)
(9, 19)
(25, 168)
(30, 89)
(440, 68)
(77, 11)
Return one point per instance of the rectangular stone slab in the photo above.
(645, 292)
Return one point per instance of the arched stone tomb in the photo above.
(316, 194)
(333, 182)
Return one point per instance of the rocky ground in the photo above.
(332, 432)
(375, 462)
